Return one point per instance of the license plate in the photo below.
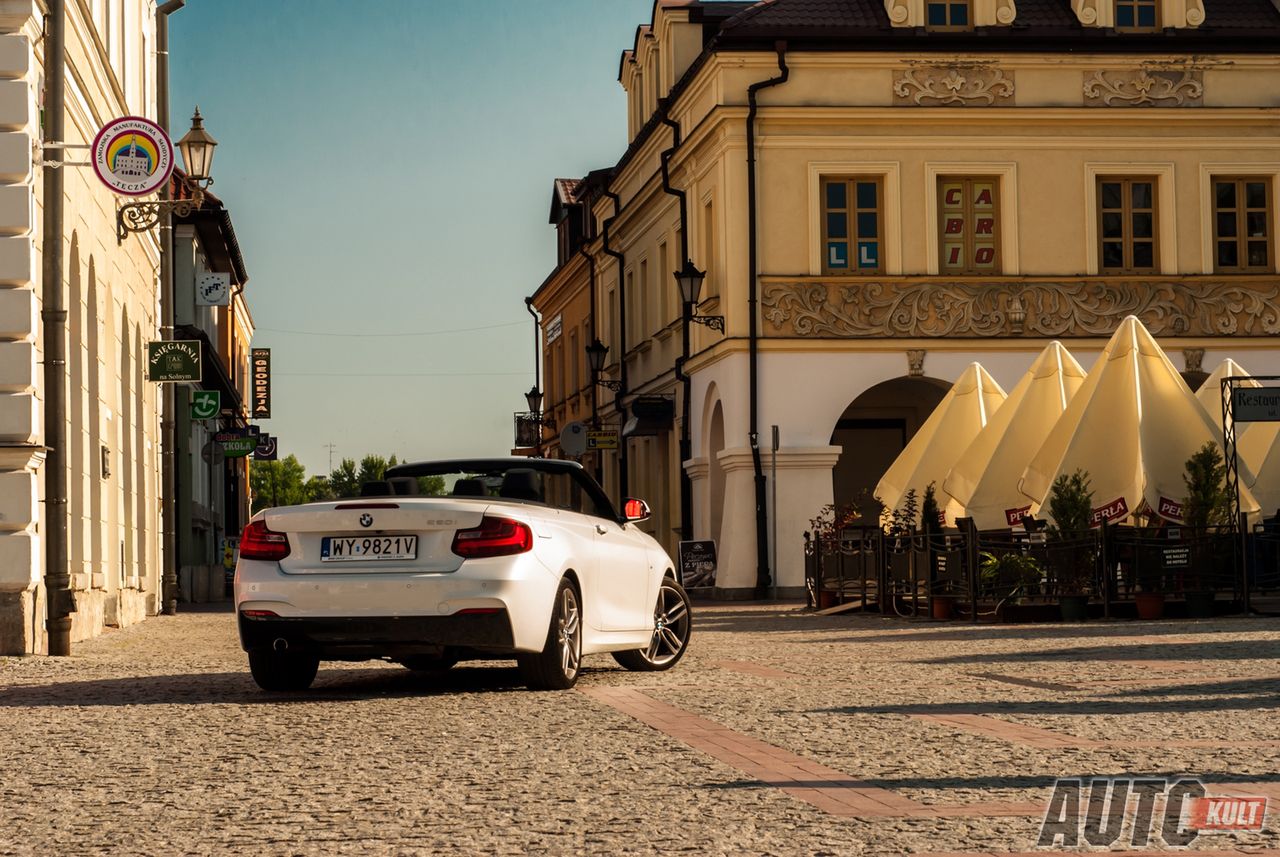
(367, 548)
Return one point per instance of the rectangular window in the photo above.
(948, 15)
(575, 380)
(968, 225)
(852, 227)
(1243, 227)
(661, 295)
(641, 327)
(630, 303)
(710, 289)
(1127, 225)
(1137, 15)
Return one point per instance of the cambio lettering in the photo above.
(1100, 813)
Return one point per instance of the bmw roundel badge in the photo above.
(366, 520)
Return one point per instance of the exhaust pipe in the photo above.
(280, 645)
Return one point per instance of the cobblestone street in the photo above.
(782, 732)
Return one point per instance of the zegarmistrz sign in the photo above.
(173, 360)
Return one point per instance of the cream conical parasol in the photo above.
(985, 478)
(1131, 426)
(933, 451)
(1210, 392)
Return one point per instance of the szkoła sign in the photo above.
(178, 360)
(1256, 405)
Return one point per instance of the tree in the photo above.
(373, 468)
(345, 481)
(318, 489)
(1208, 503)
(432, 486)
(277, 483)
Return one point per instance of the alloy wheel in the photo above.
(570, 632)
(671, 624)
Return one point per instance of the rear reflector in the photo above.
(494, 537)
(260, 614)
(258, 542)
(478, 611)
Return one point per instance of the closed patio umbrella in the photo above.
(1131, 426)
(985, 479)
(1210, 392)
(936, 447)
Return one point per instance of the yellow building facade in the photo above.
(883, 192)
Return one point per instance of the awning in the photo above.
(650, 415)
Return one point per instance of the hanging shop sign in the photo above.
(213, 289)
(133, 156)
(267, 448)
(173, 360)
(528, 431)
(602, 439)
(205, 404)
(260, 363)
(236, 443)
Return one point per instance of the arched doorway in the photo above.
(715, 445)
(875, 428)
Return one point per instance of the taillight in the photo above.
(258, 542)
(494, 537)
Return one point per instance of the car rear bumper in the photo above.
(364, 637)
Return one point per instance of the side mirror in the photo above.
(634, 510)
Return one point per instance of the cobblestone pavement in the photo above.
(782, 732)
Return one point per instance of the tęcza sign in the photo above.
(260, 397)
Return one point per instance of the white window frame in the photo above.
(1006, 174)
(1166, 211)
(890, 175)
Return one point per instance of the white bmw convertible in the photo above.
(454, 560)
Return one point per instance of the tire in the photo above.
(557, 666)
(286, 671)
(430, 664)
(672, 627)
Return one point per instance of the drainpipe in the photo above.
(686, 428)
(60, 601)
(595, 395)
(168, 435)
(763, 576)
(624, 487)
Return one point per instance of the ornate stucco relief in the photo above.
(986, 13)
(972, 310)
(933, 87)
(1184, 88)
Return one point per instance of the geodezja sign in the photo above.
(173, 360)
(132, 156)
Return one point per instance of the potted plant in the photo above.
(942, 599)
(826, 530)
(1207, 505)
(1072, 552)
(1009, 577)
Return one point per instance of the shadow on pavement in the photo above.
(1197, 650)
(238, 688)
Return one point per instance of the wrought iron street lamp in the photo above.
(197, 158)
(534, 399)
(596, 352)
(690, 280)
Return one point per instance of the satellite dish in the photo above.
(573, 439)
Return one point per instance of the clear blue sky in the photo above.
(388, 168)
